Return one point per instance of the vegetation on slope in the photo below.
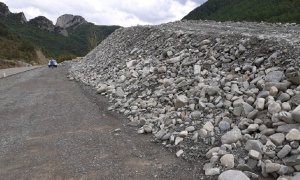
(28, 41)
(55, 45)
(14, 47)
(248, 10)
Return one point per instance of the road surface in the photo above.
(52, 128)
(13, 71)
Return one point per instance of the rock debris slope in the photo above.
(228, 92)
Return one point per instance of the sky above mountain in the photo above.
(109, 12)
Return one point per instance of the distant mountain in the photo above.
(4, 11)
(248, 10)
(69, 20)
(71, 36)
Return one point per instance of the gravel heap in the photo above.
(205, 89)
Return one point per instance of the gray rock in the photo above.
(147, 129)
(120, 92)
(293, 135)
(160, 134)
(294, 77)
(244, 123)
(286, 117)
(260, 104)
(272, 167)
(203, 133)
(190, 129)
(181, 101)
(174, 60)
(162, 69)
(131, 63)
(274, 76)
(269, 149)
(296, 99)
(253, 127)
(296, 114)
(253, 114)
(263, 94)
(197, 70)
(242, 48)
(296, 176)
(277, 138)
(232, 136)
(273, 91)
(212, 171)
(178, 140)
(284, 151)
(285, 170)
(287, 127)
(284, 97)
(254, 145)
(102, 88)
(235, 89)
(281, 86)
(247, 108)
(195, 136)
(196, 115)
(268, 131)
(252, 163)
(205, 42)
(255, 154)
(212, 90)
(233, 175)
(211, 151)
(251, 175)
(179, 153)
(169, 53)
(286, 106)
(227, 161)
(292, 160)
(166, 136)
(244, 167)
(274, 108)
(259, 61)
(208, 126)
(294, 144)
(224, 125)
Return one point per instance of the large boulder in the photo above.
(233, 175)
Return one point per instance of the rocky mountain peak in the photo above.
(4, 11)
(19, 17)
(68, 20)
(42, 23)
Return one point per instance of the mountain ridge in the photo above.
(70, 38)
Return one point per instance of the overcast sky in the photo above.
(118, 12)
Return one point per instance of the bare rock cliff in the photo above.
(68, 20)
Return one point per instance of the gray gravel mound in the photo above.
(207, 89)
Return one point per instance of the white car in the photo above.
(52, 63)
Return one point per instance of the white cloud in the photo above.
(119, 12)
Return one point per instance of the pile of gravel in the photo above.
(207, 89)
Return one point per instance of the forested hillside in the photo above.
(248, 10)
(14, 47)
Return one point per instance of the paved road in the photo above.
(12, 71)
(52, 128)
